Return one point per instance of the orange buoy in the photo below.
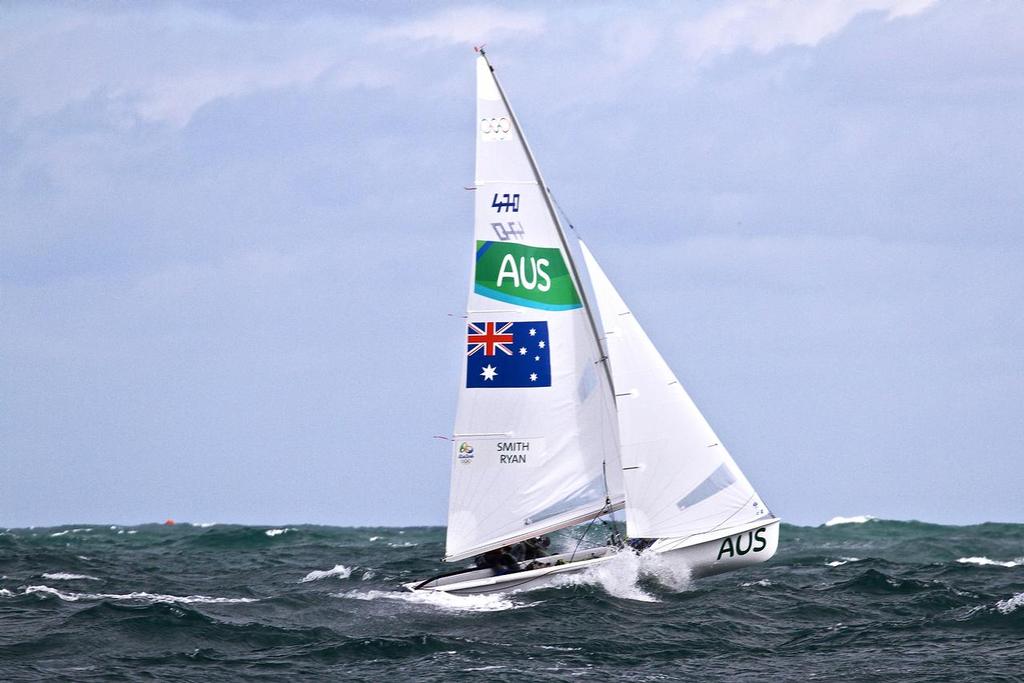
(169, 522)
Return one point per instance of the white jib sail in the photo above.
(679, 478)
(536, 421)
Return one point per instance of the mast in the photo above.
(558, 226)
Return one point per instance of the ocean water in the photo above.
(860, 600)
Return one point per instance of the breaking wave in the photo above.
(277, 532)
(986, 562)
(857, 519)
(494, 602)
(65, 576)
(135, 597)
(1011, 604)
(339, 570)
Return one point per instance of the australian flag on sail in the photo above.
(508, 355)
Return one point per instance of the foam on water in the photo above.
(1011, 604)
(136, 596)
(339, 570)
(493, 602)
(65, 532)
(277, 532)
(856, 519)
(65, 576)
(985, 562)
(841, 561)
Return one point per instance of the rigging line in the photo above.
(568, 221)
(607, 506)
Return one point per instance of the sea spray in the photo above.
(622, 575)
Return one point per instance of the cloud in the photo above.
(164, 65)
(472, 25)
(766, 25)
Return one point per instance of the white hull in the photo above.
(706, 554)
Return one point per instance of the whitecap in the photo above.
(135, 596)
(493, 602)
(840, 562)
(65, 576)
(406, 544)
(762, 582)
(277, 532)
(205, 525)
(4, 593)
(985, 562)
(374, 538)
(1010, 604)
(339, 570)
(857, 519)
(368, 574)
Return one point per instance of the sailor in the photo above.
(640, 544)
(499, 560)
(536, 547)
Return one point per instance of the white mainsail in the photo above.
(535, 443)
(679, 478)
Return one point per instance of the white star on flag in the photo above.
(536, 357)
(490, 372)
(533, 376)
(522, 350)
(532, 331)
(541, 343)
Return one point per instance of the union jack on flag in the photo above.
(490, 338)
(508, 355)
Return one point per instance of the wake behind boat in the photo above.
(567, 412)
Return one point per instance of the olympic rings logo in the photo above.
(495, 128)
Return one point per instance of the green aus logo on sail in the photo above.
(536, 277)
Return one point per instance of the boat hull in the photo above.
(705, 555)
(476, 581)
(749, 545)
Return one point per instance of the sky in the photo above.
(233, 244)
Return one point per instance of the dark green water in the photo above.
(874, 601)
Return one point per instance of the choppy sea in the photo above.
(863, 600)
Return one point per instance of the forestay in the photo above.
(536, 421)
(679, 478)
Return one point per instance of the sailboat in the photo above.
(566, 412)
